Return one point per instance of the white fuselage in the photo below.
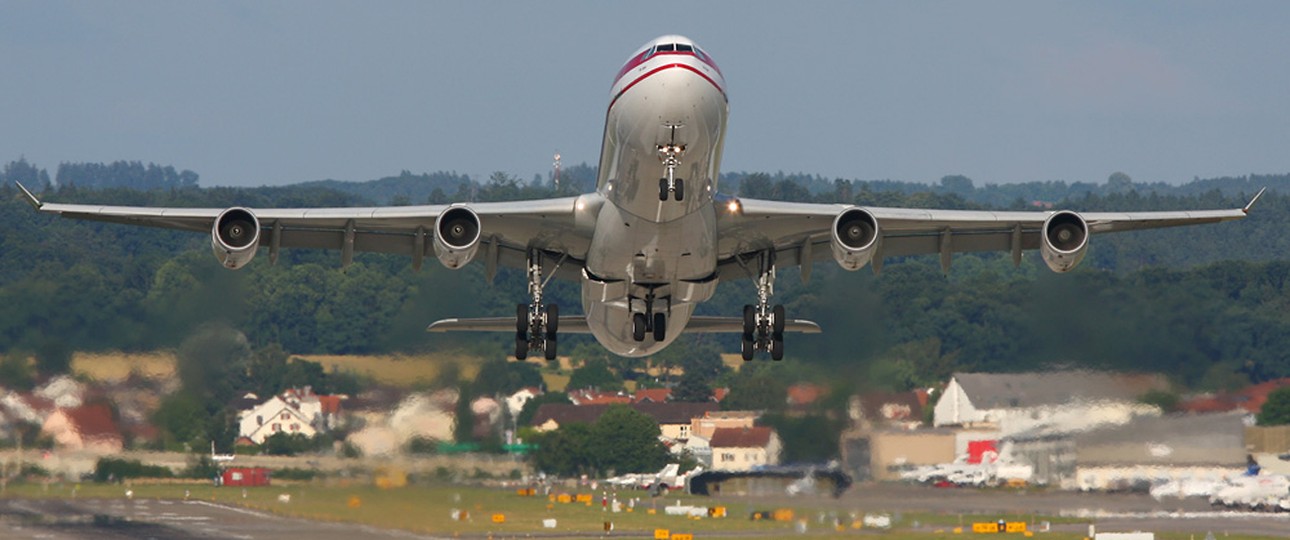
(641, 244)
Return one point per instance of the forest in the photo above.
(1203, 304)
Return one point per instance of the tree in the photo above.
(693, 387)
(756, 388)
(212, 364)
(501, 377)
(531, 406)
(1276, 410)
(626, 441)
(595, 373)
(565, 451)
(1165, 400)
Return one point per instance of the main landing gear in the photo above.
(536, 325)
(764, 324)
(649, 321)
(670, 155)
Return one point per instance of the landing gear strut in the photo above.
(536, 325)
(764, 324)
(670, 155)
(649, 321)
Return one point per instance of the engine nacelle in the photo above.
(456, 236)
(1063, 240)
(235, 237)
(855, 238)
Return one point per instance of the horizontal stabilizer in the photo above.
(577, 324)
(735, 325)
(569, 324)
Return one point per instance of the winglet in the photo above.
(1251, 203)
(31, 199)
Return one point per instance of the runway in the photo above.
(60, 519)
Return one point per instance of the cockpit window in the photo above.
(665, 48)
(681, 47)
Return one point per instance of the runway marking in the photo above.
(365, 528)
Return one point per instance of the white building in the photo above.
(742, 449)
(1064, 400)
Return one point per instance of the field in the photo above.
(430, 509)
(116, 366)
(398, 371)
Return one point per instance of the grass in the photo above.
(428, 509)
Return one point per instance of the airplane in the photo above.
(655, 237)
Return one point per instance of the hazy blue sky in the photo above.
(251, 93)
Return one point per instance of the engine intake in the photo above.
(235, 237)
(855, 238)
(1064, 240)
(456, 236)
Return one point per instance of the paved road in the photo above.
(165, 520)
(50, 519)
(1108, 511)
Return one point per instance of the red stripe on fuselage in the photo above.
(666, 67)
(645, 56)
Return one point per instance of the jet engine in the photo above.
(456, 236)
(1064, 240)
(235, 237)
(855, 238)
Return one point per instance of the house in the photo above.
(588, 396)
(1064, 400)
(654, 395)
(88, 428)
(801, 397)
(674, 419)
(1144, 450)
(390, 425)
(515, 402)
(895, 450)
(295, 410)
(888, 409)
(703, 426)
(1249, 399)
(742, 449)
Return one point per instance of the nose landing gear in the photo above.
(670, 155)
(649, 321)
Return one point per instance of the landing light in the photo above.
(733, 207)
(580, 205)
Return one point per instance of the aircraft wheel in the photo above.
(552, 321)
(746, 347)
(660, 327)
(777, 327)
(638, 326)
(548, 349)
(777, 349)
(750, 319)
(521, 347)
(662, 189)
(521, 319)
(680, 189)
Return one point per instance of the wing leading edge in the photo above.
(800, 233)
(509, 230)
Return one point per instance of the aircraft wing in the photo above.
(798, 233)
(508, 229)
(577, 324)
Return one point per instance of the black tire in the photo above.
(548, 350)
(522, 319)
(750, 319)
(776, 349)
(662, 189)
(660, 327)
(521, 348)
(680, 190)
(638, 326)
(552, 321)
(777, 328)
(746, 347)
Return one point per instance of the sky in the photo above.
(268, 93)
